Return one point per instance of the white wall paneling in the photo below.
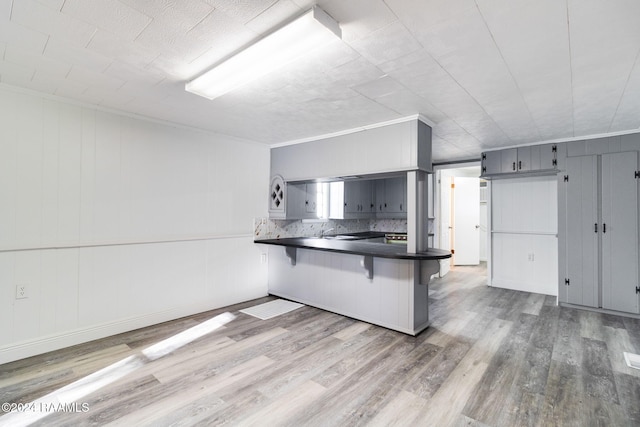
(115, 223)
(524, 227)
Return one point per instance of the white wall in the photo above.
(524, 227)
(114, 223)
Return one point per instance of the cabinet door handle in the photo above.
(519, 164)
(400, 206)
(595, 227)
(514, 166)
(604, 228)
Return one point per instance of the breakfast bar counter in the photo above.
(379, 283)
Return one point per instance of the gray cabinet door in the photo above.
(395, 194)
(296, 197)
(620, 232)
(524, 159)
(543, 157)
(491, 162)
(582, 235)
(509, 160)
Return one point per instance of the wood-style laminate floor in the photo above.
(492, 357)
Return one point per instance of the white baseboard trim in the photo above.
(549, 289)
(53, 342)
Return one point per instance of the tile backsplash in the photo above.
(266, 228)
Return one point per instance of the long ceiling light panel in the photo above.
(311, 30)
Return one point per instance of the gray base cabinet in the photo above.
(600, 218)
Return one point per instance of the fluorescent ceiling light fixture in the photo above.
(311, 30)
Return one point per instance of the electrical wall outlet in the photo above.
(21, 292)
(531, 257)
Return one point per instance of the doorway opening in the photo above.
(461, 214)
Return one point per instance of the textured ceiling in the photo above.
(487, 73)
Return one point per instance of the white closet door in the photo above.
(620, 232)
(466, 226)
(582, 236)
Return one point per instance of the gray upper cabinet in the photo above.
(391, 198)
(301, 201)
(530, 159)
(358, 199)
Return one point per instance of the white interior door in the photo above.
(466, 221)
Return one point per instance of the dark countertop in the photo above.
(357, 247)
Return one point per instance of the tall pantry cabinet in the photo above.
(599, 211)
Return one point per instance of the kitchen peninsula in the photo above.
(374, 174)
(378, 283)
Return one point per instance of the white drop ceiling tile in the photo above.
(543, 75)
(110, 45)
(484, 129)
(358, 18)
(38, 17)
(53, 68)
(242, 10)
(422, 14)
(109, 98)
(628, 113)
(129, 73)
(16, 35)
(52, 4)
(407, 103)
(171, 68)
(220, 36)
(382, 86)
(190, 11)
(14, 74)
(336, 93)
(354, 72)
(387, 44)
(466, 50)
(110, 15)
(62, 87)
(5, 9)
(605, 40)
(407, 65)
(92, 78)
(41, 82)
(332, 55)
(274, 17)
(448, 129)
(76, 56)
(172, 30)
